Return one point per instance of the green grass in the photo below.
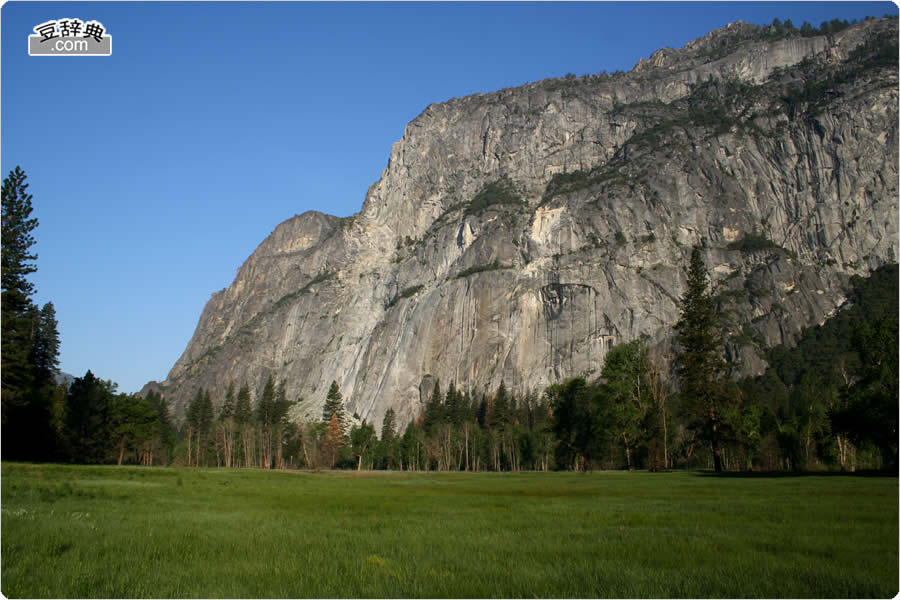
(70, 531)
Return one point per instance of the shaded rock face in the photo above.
(517, 236)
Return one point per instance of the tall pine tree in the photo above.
(17, 309)
(334, 406)
(700, 365)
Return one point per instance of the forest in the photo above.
(828, 403)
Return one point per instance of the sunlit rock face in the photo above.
(517, 236)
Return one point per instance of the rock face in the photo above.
(517, 236)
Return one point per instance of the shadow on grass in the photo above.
(778, 474)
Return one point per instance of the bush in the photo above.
(405, 293)
(501, 192)
(753, 242)
(494, 266)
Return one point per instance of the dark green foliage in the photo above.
(577, 423)
(266, 412)
(198, 425)
(133, 423)
(306, 289)
(18, 224)
(819, 82)
(839, 383)
(573, 181)
(492, 195)
(753, 242)
(44, 356)
(228, 406)
(88, 418)
(17, 309)
(334, 405)
(625, 395)
(408, 292)
(242, 410)
(701, 366)
(363, 445)
(494, 266)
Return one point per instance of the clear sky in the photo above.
(156, 171)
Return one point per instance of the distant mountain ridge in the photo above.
(517, 236)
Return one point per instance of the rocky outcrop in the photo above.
(517, 236)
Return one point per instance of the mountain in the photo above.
(517, 236)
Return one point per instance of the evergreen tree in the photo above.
(334, 406)
(388, 436)
(242, 412)
(700, 366)
(388, 432)
(44, 357)
(502, 413)
(88, 417)
(16, 305)
(334, 439)
(165, 429)
(434, 410)
(266, 409)
(226, 425)
(242, 416)
(228, 405)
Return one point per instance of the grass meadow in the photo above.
(124, 532)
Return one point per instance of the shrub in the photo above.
(501, 192)
(494, 266)
(405, 293)
(753, 242)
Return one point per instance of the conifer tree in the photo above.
(388, 432)
(17, 316)
(334, 439)
(334, 406)
(44, 356)
(242, 411)
(700, 366)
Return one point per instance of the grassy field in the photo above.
(71, 531)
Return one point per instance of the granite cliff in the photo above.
(518, 235)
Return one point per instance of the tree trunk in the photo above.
(665, 440)
(717, 457)
(627, 452)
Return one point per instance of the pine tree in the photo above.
(44, 356)
(334, 438)
(17, 315)
(265, 410)
(226, 425)
(242, 411)
(700, 366)
(87, 417)
(334, 406)
(228, 405)
(388, 432)
(502, 414)
(242, 416)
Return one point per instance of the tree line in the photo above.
(828, 403)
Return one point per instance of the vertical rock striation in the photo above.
(517, 236)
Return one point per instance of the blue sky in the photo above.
(157, 171)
